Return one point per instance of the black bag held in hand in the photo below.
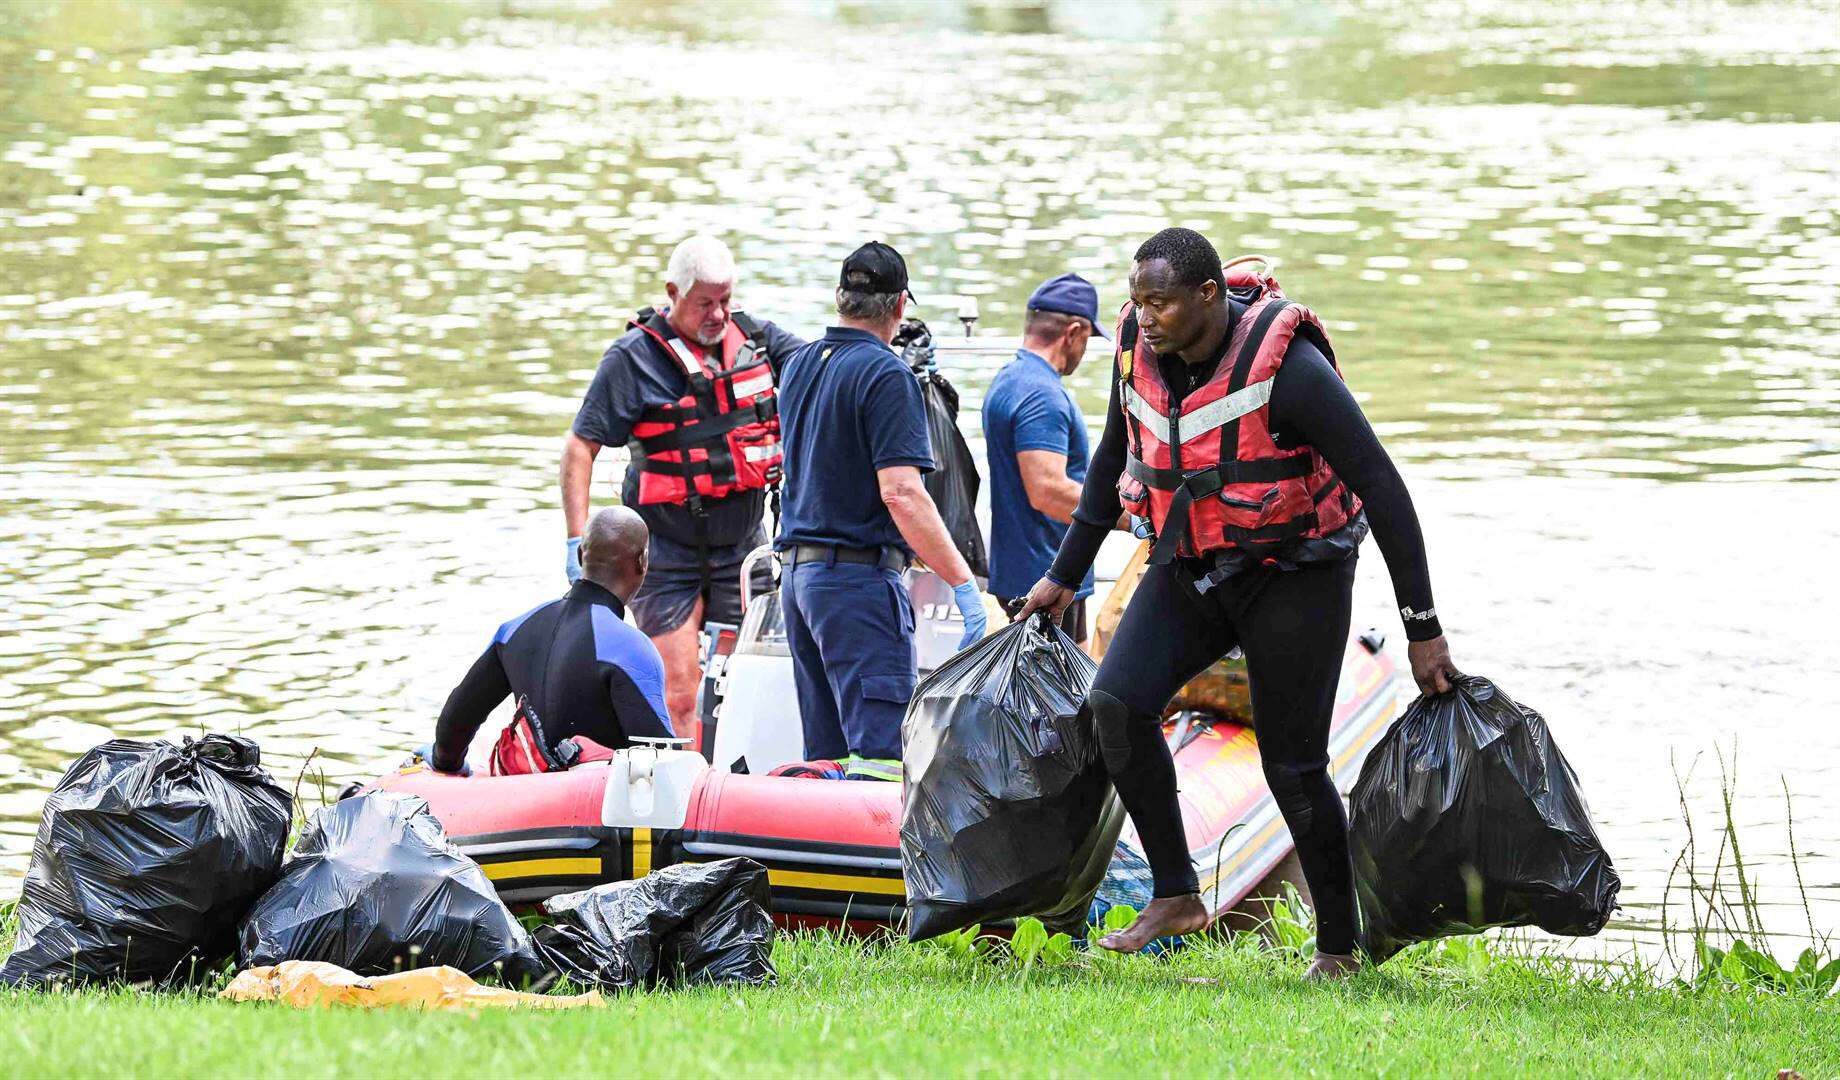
(1008, 810)
(1467, 816)
(376, 887)
(147, 855)
(688, 924)
(953, 483)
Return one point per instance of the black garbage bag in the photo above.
(1008, 810)
(147, 854)
(376, 887)
(1466, 816)
(954, 481)
(682, 925)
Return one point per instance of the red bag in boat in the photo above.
(522, 747)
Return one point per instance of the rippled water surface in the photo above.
(296, 301)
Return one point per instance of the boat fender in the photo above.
(650, 785)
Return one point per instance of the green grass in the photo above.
(966, 1005)
(1222, 1008)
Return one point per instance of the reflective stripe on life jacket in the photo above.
(722, 436)
(1206, 470)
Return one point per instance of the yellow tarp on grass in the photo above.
(307, 984)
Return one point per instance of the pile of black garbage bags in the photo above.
(156, 862)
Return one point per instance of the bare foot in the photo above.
(1160, 918)
(1332, 967)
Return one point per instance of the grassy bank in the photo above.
(1229, 1008)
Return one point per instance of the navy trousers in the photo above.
(850, 628)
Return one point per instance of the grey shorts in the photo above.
(676, 578)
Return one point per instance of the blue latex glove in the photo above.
(571, 559)
(425, 754)
(971, 605)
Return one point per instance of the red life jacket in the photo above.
(1205, 470)
(522, 747)
(720, 438)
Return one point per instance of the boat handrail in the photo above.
(747, 574)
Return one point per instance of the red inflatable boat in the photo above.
(831, 847)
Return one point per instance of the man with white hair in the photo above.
(692, 389)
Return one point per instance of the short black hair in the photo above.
(1188, 253)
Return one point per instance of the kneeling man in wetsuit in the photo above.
(1231, 430)
(581, 674)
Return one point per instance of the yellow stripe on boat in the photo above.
(642, 853)
(851, 883)
(535, 868)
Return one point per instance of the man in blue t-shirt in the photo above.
(1036, 439)
(853, 430)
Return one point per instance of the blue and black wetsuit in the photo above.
(581, 666)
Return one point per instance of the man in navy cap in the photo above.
(853, 429)
(1036, 439)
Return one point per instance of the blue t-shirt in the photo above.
(848, 406)
(1027, 408)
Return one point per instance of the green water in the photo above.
(296, 300)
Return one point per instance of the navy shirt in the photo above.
(1027, 408)
(848, 406)
(583, 668)
(635, 374)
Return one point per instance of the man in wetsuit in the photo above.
(691, 390)
(1231, 429)
(575, 662)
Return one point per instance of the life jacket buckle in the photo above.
(1202, 483)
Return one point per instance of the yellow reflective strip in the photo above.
(542, 868)
(642, 853)
(1382, 716)
(804, 879)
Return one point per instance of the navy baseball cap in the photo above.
(1070, 294)
(875, 268)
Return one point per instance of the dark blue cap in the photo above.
(1070, 294)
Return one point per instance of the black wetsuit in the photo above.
(581, 666)
(1291, 621)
